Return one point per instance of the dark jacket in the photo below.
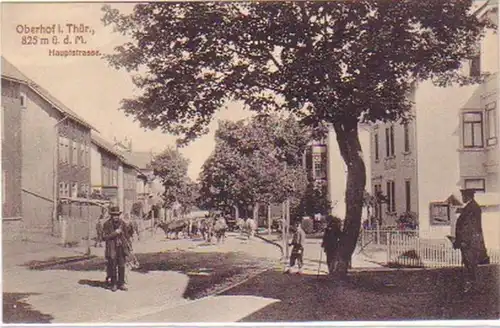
(331, 237)
(469, 233)
(114, 240)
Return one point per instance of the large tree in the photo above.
(172, 167)
(255, 161)
(339, 62)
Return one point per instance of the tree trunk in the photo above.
(350, 149)
(256, 213)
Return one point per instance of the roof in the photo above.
(104, 144)
(108, 146)
(11, 72)
(141, 159)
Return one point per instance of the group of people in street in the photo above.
(468, 238)
(329, 244)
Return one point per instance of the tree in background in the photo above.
(172, 167)
(340, 62)
(254, 161)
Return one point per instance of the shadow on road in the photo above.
(374, 296)
(207, 272)
(93, 283)
(15, 310)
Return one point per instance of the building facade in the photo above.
(11, 149)
(49, 167)
(450, 144)
(106, 163)
(393, 161)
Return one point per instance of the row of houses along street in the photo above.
(51, 155)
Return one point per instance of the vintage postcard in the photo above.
(250, 162)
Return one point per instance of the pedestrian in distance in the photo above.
(117, 249)
(297, 254)
(331, 240)
(469, 239)
(99, 228)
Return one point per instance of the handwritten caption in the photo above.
(76, 36)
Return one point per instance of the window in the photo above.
(376, 146)
(476, 184)
(377, 189)
(63, 150)
(74, 189)
(440, 213)
(475, 63)
(105, 175)
(22, 100)
(408, 195)
(61, 189)
(74, 154)
(83, 161)
(87, 155)
(389, 141)
(473, 130)
(491, 124)
(319, 166)
(391, 201)
(406, 130)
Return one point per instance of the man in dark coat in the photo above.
(117, 248)
(469, 238)
(331, 239)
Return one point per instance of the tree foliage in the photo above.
(172, 167)
(338, 62)
(255, 161)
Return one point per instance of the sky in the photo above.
(88, 85)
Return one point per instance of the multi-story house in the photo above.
(131, 176)
(450, 144)
(11, 145)
(55, 154)
(105, 166)
(394, 170)
(114, 176)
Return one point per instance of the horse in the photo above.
(173, 227)
(220, 228)
(206, 229)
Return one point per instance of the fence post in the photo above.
(378, 234)
(389, 242)
(89, 228)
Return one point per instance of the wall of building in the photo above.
(399, 167)
(438, 133)
(39, 142)
(11, 150)
(129, 188)
(95, 168)
(337, 171)
(121, 198)
(482, 163)
(77, 169)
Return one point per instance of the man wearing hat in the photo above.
(331, 239)
(117, 250)
(469, 238)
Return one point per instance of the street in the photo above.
(177, 281)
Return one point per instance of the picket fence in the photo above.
(410, 250)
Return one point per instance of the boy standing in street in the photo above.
(298, 240)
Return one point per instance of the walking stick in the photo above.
(319, 265)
